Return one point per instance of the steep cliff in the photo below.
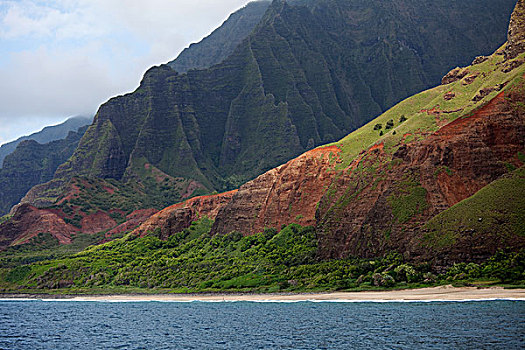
(433, 178)
(221, 43)
(33, 163)
(516, 33)
(392, 182)
(286, 194)
(305, 76)
(46, 135)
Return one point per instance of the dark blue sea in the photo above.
(249, 325)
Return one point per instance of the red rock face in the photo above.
(450, 165)
(283, 195)
(179, 216)
(136, 218)
(28, 222)
(97, 222)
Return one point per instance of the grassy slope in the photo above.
(500, 204)
(419, 123)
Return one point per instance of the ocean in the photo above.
(60, 324)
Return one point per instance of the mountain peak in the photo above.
(516, 33)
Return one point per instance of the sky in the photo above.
(60, 58)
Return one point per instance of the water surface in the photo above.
(249, 325)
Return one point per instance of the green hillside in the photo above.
(305, 76)
(33, 163)
(271, 261)
(413, 111)
(495, 212)
(430, 192)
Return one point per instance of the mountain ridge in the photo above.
(429, 192)
(293, 84)
(33, 163)
(217, 46)
(47, 134)
(370, 192)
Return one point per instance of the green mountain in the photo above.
(428, 193)
(305, 76)
(221, 43)
(33, 163)
(47, 134)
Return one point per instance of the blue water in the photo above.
(246, 325)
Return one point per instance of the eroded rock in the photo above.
(454, 75)
(516, 32)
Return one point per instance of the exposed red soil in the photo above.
(179, 216)
(283, 195)
(97, 222)
(109, 189)
(73, 191)
(28, 222)
(192, 187)
(452, 129)
(355, 162)
(451, 165)
(133, 220)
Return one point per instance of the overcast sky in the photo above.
(60, 58)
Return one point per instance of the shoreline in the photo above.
(441, 293)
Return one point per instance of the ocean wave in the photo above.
(260, 301)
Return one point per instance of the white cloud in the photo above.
(66, 57)
(57, 82)
(35, 19)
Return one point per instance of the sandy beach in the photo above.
(442, 293)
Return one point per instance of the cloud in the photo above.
(51, 82)
(66, 57)
(35, 19)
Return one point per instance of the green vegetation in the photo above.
(271, 261)
(304, 76)
(33, 163)
(408, 200)
(500, 204)
(87, 195)
(5, 218)
(45, 247)
(414, 120)
(220, 44)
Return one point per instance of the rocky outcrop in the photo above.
(511, 65)
(177, 217)
(516, 33)
(97, 222)
(369, 217)
(283, 195)
(479, 60)
(454, 75)
(28, 221)
(449, 96)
